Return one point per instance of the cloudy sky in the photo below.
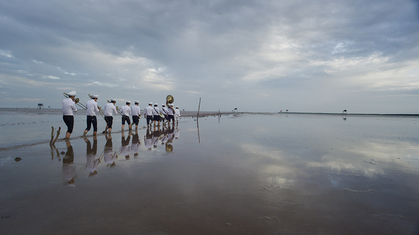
(256, 55)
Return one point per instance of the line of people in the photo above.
(152, 114)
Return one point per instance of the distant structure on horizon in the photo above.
(40, 106)
(345, 112)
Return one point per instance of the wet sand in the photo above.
(238, 174)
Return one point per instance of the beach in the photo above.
(234, 173)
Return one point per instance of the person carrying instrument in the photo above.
(91, 111)
(136, 114)
(148, 112)
(171, 113)
(126, 113)
(69, 108)
(110, 109)
(164, 111)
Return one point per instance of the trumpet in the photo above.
(76, 100)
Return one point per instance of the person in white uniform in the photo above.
(110, 110)
(91, 111)
(177, 114)
(69, 108)
(171, 113)
(156, 114)
(136, 114)
(148, 112)
(164, 111)
(126, 113)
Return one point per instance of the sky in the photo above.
(253, 55)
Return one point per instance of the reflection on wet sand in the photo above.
(91, 160)
(125, 145)
(135, 145)
(164, 135)
(279, 175)
(69, 168)
(109, 155)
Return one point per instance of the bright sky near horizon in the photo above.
(254, 55)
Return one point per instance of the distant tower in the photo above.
(40, 106)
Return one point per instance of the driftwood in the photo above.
(52, 142)
(58, 134)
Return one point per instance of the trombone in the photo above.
(76, 100)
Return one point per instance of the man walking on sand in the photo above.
(110, 109)
(148, 112)
(69, 108)
(91, 111)
(164, 111)
(156, 114)
(177, 114)
(126, 113)
(136, 114)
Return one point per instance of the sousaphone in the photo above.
(170, 100)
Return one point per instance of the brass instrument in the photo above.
(76, 100)
(170, 100)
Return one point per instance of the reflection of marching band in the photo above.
(130, 146)
(167, 115)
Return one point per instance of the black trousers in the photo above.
(69, 121)
(91, 120)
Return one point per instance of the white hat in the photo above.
(171, 104)
(94, 96)
(156, 104)
(137, 102)
(163, 105)
(71, 93)
(113, 100)
(150, 103)
(177, 107)
(128, 102)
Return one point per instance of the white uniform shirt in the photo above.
(110, 109)
(149, 111)
(69, 107)
(164, 110)
(91, 108)
(125, 110)
(170, 111)
(177, 112)
(136, 110)
(156, 111)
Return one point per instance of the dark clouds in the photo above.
(255, 55)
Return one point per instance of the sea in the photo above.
(240, 173)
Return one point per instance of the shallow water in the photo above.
(244, 174)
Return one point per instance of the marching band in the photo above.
(153, 115)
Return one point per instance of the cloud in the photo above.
(219, 50)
